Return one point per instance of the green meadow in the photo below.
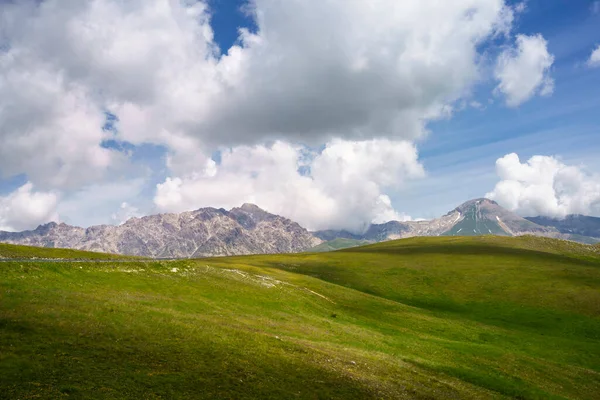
(423, 318)
(338, 244)
(16, 251)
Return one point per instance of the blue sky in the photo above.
(566, 125)
(154, 153)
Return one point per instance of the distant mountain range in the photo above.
(204, 232)
(576, 225)
(479, 217)
(251, 230)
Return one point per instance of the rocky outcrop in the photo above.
(204, 232)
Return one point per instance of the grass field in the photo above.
(15, 251)
(425, 318)
(338, 244)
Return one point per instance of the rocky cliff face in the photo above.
(204, 232)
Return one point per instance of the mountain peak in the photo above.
(47, 226)
(249, 207)
(482, 201)
(204, 232)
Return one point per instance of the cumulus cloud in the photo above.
(359, 71)
(47, 131)
(125, 212)
(594, 60)
(524, 71)
(545, 186)
(101, 203)
(352, 70)
(25, 208)
(339, 187)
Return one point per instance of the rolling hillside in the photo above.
(17, 251)
(338, 244)
(425, 318)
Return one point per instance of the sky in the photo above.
(336, 113)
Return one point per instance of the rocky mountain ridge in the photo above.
(474, 217)
(250, 230)
(204, 232)
(572, 224)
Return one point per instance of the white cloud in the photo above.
(352, 70)
(125, 212)
(48, 131)
(360, 71)
(520, 7)
(477, 105)
(524, 71)
(545, 186)
(97, 203)
(595, 7)
(343, 189)
(594, 60)
(26, 209)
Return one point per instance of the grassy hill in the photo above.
(425, 318)
(16, 251)
(583, 239)
(338, 244)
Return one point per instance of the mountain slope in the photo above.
(204, 232)
(572, 224)
(472, 218)
(486, 217)
(423, 318)
(375, 232)
(251, 230)
(337, 244)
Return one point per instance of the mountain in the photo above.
(486, 217)
(250, 230)
(579, 225)
(375, 233)
(473, 218)
(204, 232)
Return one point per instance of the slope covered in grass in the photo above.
(18, 251)
(419, 318)
(338, 244)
